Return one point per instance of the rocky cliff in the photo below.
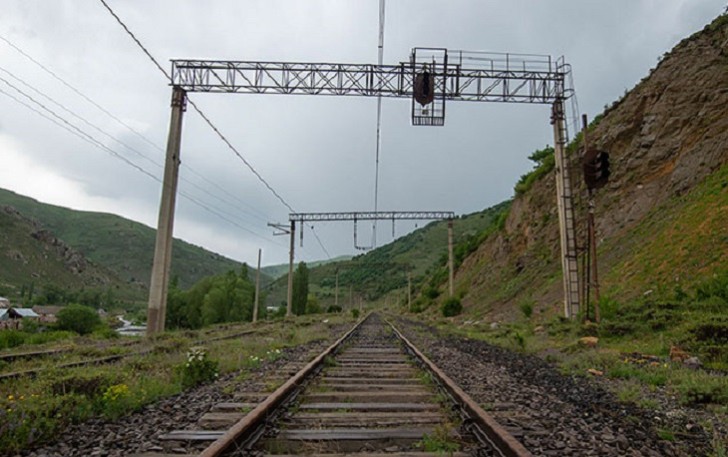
(662, 221)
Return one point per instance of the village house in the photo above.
(47, 313)
(4, 303)
(12, 318)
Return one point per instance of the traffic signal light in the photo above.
(596, 168)
(424, 87)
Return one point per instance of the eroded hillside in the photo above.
(662, 221)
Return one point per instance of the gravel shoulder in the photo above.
(553, 414)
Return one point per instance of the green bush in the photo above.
(78, 318)
(334, 309)
(12, 338)
(198, 368)
(526, 308)
(451, 307)
(355, 313)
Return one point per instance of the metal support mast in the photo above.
(157, 309)
(450, 258)
(291, 257)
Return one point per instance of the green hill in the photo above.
(280, 270)
(121, 248)
(384, 271)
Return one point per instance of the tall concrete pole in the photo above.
(450, 258)
(257, 289)
(156, 310)
(409, 291)
(336, 294)
(291, 257)
(564, 203)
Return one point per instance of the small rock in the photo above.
(595, 372)
(494, 325)
(692, 362)
(589, 341)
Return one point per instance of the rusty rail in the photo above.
(501, 439)
(258, 415)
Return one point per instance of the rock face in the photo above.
(664, 137)
(46, 248)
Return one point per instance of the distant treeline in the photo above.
(228, 297)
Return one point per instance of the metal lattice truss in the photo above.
(467, 77)
(371, 216)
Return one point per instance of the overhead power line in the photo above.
(255, 212)
(204, 117)
(75, 130)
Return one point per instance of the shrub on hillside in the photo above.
(451, 307)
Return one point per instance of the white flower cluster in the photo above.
(196, 354)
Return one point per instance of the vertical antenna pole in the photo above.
(159, 282)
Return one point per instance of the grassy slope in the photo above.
(123, 246)
(278, 271)
(28, 261)
(384, 270)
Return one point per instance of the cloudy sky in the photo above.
(317, 152)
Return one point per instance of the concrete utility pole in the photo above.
(336, 294)
(564, 202)
(291, 257)
(159, 283)
(409, 291)
(257, 289)
(450, 259)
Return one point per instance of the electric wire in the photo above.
(68, 126)
(255, 212)
(98, 129)
(204, 117)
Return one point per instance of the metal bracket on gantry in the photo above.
(355, 216)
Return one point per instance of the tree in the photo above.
(300, 289)
(78, 318)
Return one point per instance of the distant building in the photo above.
(4, 303)
(12, 317)
(47, 313)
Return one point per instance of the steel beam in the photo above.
(371, 215)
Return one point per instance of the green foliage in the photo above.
(451, 307)
(544, 159)
(355, 313)
(526, 307)
(213, 300)
(439, 441)
(198, 368)
(300, 289)
(312, 305)
(334, 309)
(11, 338)
(78, 318)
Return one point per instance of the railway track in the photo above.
(372, 394)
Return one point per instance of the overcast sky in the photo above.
(317, 152)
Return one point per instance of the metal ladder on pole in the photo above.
(565, 204)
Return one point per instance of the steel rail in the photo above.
(499, 437)
(260, 413)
